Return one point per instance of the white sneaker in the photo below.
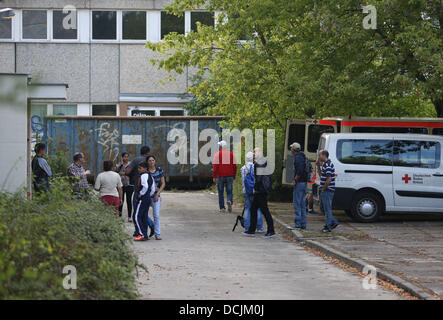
(260, 231)
(223, 210)
(229, 206)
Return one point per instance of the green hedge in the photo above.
(38, 238)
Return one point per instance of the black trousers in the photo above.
(127, 191)
(260, 201)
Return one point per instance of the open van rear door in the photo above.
(307, 133)
(295, 132)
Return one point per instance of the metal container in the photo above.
(105, 138)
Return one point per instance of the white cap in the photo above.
(296, 146)
(222, 144)
(249, 156)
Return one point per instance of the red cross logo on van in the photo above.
(406, 178)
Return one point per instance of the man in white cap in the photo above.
(248, 181)
(300, 185)
(224, 169)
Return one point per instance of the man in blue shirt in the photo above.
(300, 186)
(327, 189)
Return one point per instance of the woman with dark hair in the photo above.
(128, 188)
(110, 186)
(159, 179)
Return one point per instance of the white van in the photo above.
(382, 172)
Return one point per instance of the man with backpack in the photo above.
(248, 181)
(262, 187)
(302, 170)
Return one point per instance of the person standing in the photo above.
(262, 187)
(327, 189)
(248, 180)
(128, 188)
(77, 176)
(41, 171)
(146, 189)
(110, 186)
(159, 181)
(133, 173)
(300, 184)
(224, 169)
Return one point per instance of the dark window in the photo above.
(241, 33)
(104, 110)
(437, 131)
(5, 28)
(171, 112)
(389, 130)
(142, 113)
(205, 18)
(35, 24)
(423, 154)
(134, 25)
(104, 25)
(370, 152)
(171, 23)
(296, 134)
(61, 31)
(314, 133)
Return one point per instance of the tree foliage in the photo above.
(309, 58)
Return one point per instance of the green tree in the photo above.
(311, 58)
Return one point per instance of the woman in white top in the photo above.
(110, 186)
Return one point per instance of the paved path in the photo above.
(407, 245)
(201, 258)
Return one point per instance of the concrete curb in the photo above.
(359, 264)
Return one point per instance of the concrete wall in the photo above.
(138, 75)
(85, 4)
(13, 132)
(50, 62)
(6, 57)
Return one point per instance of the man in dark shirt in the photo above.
(134, 177)
(300, 186)
(262, 186)
(41, 171)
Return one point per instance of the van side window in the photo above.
(296, 134)
(389, 130)
(422, 154)
(314, 133)
(369, 152)
(437, 131)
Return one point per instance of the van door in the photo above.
(314, 129)
(295, 132)
(418, 175)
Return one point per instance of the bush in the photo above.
(38, 238)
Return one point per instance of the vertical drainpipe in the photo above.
(28, 151)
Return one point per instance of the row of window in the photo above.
(34, 24)
(404, 153)
(39, 111)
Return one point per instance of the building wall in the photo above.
(97, 72)
(13, 132)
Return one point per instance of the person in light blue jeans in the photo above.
(326, 208)
(159, 179)
(300, 186)
(222, 183)
(246, 170)
(300, 205)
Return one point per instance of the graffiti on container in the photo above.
(108, 139)
(38, 129)
(180, 144)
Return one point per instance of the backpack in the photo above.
(249, 181)
(308, 170)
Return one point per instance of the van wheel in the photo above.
(366, 207)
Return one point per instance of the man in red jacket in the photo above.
(224, 169)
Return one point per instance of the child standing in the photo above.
(147, 189)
